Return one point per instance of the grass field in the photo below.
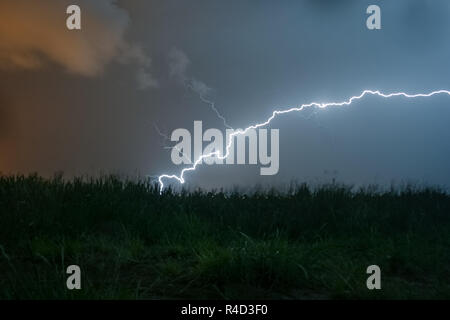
(132, 243)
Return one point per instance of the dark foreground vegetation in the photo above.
(132, 243)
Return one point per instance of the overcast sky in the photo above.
(86, 102)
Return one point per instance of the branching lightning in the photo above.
(213, 107)
(165, 146)
(205, 100)
(180, 178)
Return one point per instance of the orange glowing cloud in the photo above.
(32, 33)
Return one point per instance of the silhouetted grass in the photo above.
(308, 243)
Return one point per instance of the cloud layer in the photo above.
(32, 33)
(178, 64)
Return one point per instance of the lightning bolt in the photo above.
(212, 104)
(166, 147)
(213, 107)
(180, 178)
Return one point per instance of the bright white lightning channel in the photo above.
(217, 154)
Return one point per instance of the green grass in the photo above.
(132, 243)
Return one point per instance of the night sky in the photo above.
(87, 102)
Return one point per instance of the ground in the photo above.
(133, 243)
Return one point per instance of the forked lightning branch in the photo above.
(214, 154)
(258, 148)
